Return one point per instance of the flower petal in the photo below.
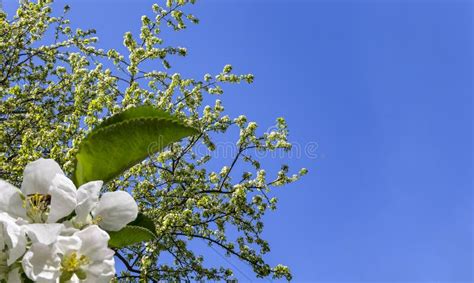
(94, 243)
(14, 236)
(100, 272)
(87, 199)
(38, 176)
(63, 198)
(41, 263)
(115, 210)
(43, 233)
(11, 200)
(69, 229)
(14, 276)
(66, 244)
(17, 250)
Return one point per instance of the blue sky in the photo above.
(384, 88)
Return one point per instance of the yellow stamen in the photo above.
(73, 262)
(37, 207)
(97, 220)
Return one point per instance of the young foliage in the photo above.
(125, 139)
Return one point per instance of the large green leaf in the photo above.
(139, 230)
(125, 140)
(129, 235)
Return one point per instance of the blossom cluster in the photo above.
(51, 231)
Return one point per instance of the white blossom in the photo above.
(39, 238)
(41, 263)
(82, 257)
(46, 195)
(12, 247)
(111, 212)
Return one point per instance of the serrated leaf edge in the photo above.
(95, 132)
(134, 120)
(109, 121)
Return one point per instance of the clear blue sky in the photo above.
(385, 90)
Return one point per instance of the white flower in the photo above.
(12, 237)
(72, 251)
(87, 199)
(38, 176)
(115, 210)
(41, 263)
(45, 234)
(111, 212)
(82, 257)
(46, 195)
(11, 200)
(12, 247)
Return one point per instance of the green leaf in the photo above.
(125, 140)
(137, 112)
(139, 230)
(129, 235)
(144, 221)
